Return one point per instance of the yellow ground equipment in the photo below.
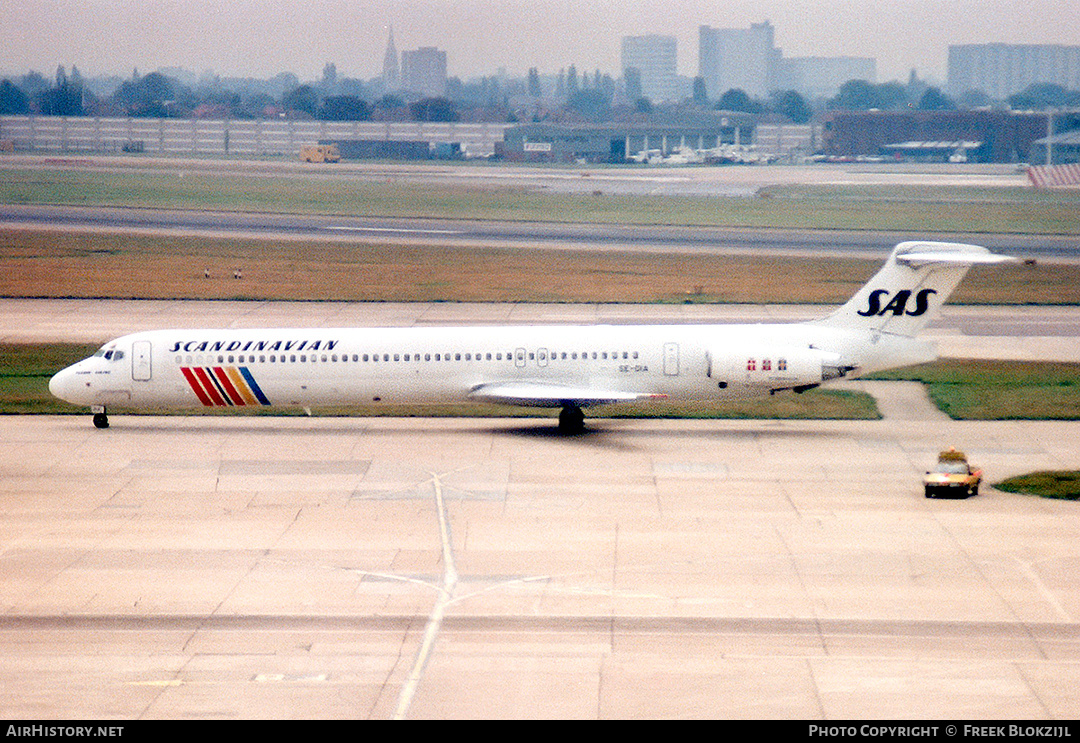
(320, 153)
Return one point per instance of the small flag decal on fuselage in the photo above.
(224, 385)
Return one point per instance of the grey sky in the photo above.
(263, 37)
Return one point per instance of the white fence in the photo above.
(228, 137)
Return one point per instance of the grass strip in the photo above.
(863, 207)
(969, 389)
(1062, 485)
(87, 264)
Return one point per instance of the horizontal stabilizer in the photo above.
(917, 255)
(535, 394)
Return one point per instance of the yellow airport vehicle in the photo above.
(320, 153)
(952, 476)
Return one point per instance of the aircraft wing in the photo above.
(536, 394)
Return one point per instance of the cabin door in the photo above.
(671, 359)
(140, 361)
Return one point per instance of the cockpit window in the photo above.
(110, 354)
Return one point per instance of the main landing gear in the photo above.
(571, 420)
(101, 418)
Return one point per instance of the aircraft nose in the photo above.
(61, 384)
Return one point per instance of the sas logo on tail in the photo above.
(898, 304)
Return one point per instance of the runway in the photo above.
(579, 236)
(419, 568)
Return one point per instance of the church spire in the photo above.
(390, 71)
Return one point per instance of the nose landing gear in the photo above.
(101, 418)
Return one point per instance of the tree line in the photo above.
(577, 97)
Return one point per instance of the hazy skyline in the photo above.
(260, 38)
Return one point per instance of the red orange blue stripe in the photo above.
(224, 385)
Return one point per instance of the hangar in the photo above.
(617, 142)
(1002, 136)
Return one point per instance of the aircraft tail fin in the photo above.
(909, 290)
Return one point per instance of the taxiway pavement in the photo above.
(375, 568)
(995, 332)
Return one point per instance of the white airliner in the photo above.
(560, 366)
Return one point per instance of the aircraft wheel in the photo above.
(101, 420)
